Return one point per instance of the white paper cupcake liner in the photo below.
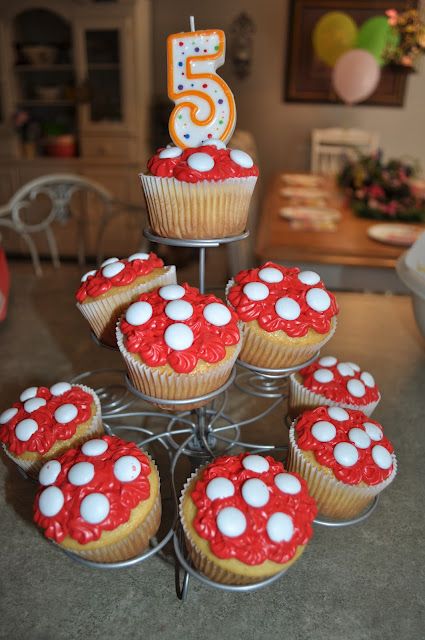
(302, 399)
(207, 209)
(334, 498)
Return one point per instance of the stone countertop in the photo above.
(362, 582)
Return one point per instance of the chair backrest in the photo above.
(330, 148)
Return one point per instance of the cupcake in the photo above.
(45, 422)
(245, 518)
(100, 501)
(103, 294)
(200, 192)
(344, 457)
(178, 343)
(336, 384)
(288, 314)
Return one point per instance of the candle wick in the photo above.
(192, 23)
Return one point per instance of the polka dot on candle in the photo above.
(219, 144)
(270, 274)
(287, 308)
(256, 291)
(318, 300)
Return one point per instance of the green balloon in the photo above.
(376, 36)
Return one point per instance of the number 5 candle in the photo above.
(204, 104)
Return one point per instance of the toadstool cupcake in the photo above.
(103, 294)
(100, 501)
(178, 343)
(45, 422)
(330, 382)
(288, 314)
(200, 192)
(344, 457)
(245, 518)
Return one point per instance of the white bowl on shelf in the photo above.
(40, 54)
(416, 285)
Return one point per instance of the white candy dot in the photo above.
(8, 415)
(171, 292)
(328, 361)
(354, 366)
(29, 393)
(25, 429)
(287, 308)
(241, 158)
(359, 437)
(217, 314)
(323, 431)
(81, 473)
(280, 527)
(287, 483)
(66, 413)
(309, 277)
(219, 144)
(323, 375)
(51, 501)
(345, 454)
(127, 468)
(255, 463)
(201, 161)
(382, 457)
(113, 269)
(220, 488)
(231, 522)
(368, 379)
(59, 388)
(138, 313)
(256, 291)
(87, 275)
(318, 300)
(345, 369)
(109, 261)
(270, 274)
(94, 447)
(170, 152)
(94, 508)
(34, 404)
(138, 256)
(336, 413)
(178, 336)
(49, 472)
(356, 388)
(179, 310)
(373, 431)
(255, 492)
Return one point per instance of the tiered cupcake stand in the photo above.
(195, 434)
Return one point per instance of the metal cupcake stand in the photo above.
(194, 435)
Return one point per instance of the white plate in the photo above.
(400, 235)
(302, 179)
(304, 192)
(310, 213)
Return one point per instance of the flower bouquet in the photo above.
(410, 31)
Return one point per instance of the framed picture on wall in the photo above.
(308, 79)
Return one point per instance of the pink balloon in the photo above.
(355, 76)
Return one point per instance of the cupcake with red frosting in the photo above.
(178, 343)
(336, 384)
(103, 294)
(245, 518)
(201, 192)
(100, 501)
(47, 421)
(344, 457)
(288, 314)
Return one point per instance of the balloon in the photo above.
(376, 36)
(355, 76)
(334, 34)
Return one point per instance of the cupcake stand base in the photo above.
(196, 435)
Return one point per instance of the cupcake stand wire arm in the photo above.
(203, 428)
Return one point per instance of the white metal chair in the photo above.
(330, 148)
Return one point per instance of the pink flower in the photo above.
(392, 16)
(392, 207)
(375, 191)
(406, 61)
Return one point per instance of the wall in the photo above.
(281, 129)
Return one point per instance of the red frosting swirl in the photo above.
(254, 546)
(336, 389)
(264, 311)
(122, 496)
(365, 469)
(224, 167)
(49, 430)
(97, 284)
(209, 343)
